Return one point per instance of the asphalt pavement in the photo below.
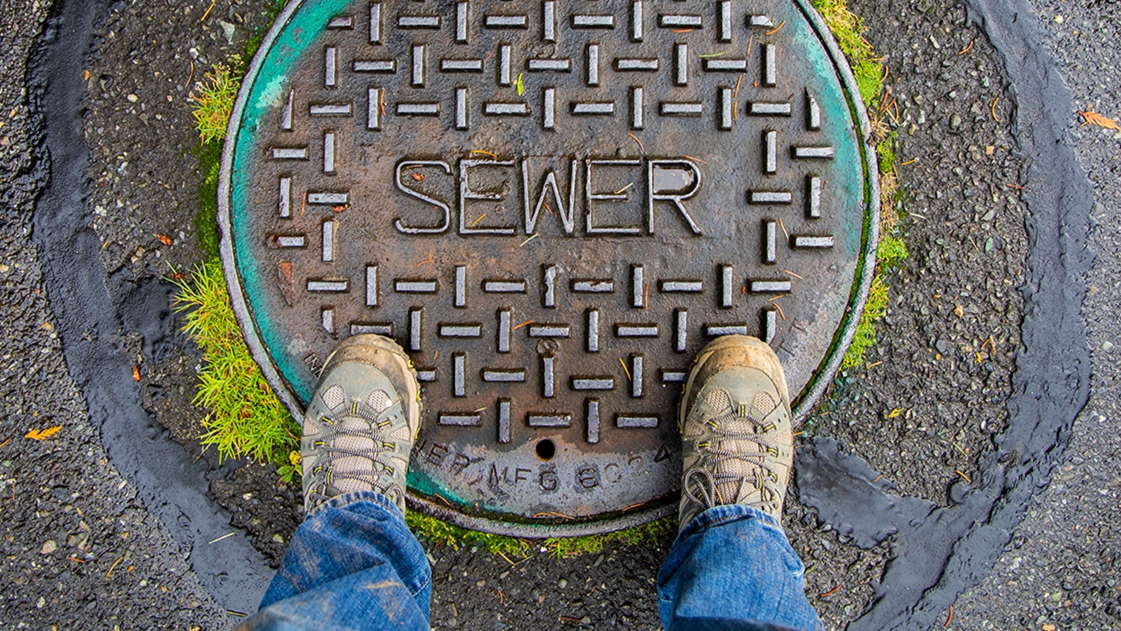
(109, 522)
(1063, 565)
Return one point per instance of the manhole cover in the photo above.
(552, 206)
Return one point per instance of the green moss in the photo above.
(206, 217)
(246, 418)
(649, 533)
(847, 29)
(441, 533)
(270, 10)
(885, 151)
(890, 252)
(865, 335)
(869, 72)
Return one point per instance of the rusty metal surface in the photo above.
(552, 206)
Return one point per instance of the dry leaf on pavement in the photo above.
(1090, 117)
(42, 434)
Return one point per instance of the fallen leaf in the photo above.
(419, 177)
(43, 434)
(164, 239)
(1091, 117)
(895, 413)
(284, 279)
(136, 373)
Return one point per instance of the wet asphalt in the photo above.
(97, 535)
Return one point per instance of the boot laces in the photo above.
(356, 434)
(725, 463)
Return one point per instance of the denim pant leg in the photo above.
(352, 564)
(732, 569)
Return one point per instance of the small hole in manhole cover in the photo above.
(546, 449)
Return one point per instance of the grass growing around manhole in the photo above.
(870, 72)
(441, 533)
(247, 420)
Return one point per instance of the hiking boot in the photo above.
(736, 429)
(360, 425)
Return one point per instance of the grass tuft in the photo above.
(847, 29)
(246, 418)
(214, 99)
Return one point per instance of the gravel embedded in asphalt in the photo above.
(1063, 566)
(966, 238)
(79, 548)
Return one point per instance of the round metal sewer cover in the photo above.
(552, 205)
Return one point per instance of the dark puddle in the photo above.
(940, 552)
(95, 311)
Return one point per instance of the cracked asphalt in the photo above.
(95, 536)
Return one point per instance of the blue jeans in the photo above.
(353, 564)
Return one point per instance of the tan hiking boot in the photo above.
(736, 429)
(360, 425)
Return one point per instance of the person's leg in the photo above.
(353, 564)
(731, 567)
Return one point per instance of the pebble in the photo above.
(132, 98)
(277, 538)
(562, 583)
(955, 121)
(228, 29)
(49, 546)
(1107, 346)
(481, 582)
